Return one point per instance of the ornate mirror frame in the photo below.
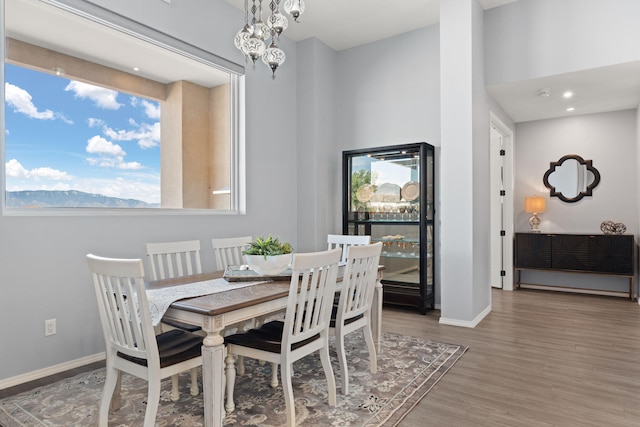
(580, 195)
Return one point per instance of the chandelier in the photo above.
(259, 40)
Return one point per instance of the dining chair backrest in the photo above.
(343, 241)
(123, 307)
(174, 259)
(359, 281)
(228, 251)
(354, 305)
(311, 295)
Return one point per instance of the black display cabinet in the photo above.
(388, 193)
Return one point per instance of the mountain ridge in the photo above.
(69, 199)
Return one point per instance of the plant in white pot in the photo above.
(268, 256)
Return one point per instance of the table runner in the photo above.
(161, 298)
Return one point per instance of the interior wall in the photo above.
(388, 93)
(319, 173)
(610, 141)
(43, 272)
(535, 38)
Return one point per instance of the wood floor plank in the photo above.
(539, 358)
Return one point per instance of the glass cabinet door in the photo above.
(388, 194)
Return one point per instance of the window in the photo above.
(123, 117)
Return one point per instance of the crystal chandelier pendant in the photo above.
(294, 8)
(278, 22)
(254, 48)
(261, 30)
(273, 57)
(241, 37)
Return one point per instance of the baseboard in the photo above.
(51, 370)
(623, 294)
(464, 323)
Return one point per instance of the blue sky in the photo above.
(68, 135)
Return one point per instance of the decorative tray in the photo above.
(242, 273)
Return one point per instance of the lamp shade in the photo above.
(535, 204)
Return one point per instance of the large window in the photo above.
(122, 117)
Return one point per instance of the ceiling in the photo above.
(609, 88)
(343, 24)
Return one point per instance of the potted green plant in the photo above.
(268, 256)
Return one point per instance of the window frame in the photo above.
(131, 28)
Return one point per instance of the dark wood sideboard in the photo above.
(607, 254)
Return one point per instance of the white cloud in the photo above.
(93, 122)
(148, 135)
(14, 169)
(151, 109)
(99, 145)
(102, 97)
(110, 155)
(49, 173)
(22, 102)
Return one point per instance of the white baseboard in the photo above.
(464, 323)
(51, 370)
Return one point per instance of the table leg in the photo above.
(213, 353)
(376, 314)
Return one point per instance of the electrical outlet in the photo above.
(49, 327)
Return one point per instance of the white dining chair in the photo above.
(305, 328)
(168, 260)
(174, 259)
(343, 241)
(353, 311)
(130, 341)
(228, 250)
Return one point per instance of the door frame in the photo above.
(503, 259)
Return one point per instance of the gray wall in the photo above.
(43, 273)
(536, 38)
(388, 92)
(609, 140)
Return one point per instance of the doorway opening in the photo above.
(501, 183)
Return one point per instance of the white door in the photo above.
(501, 182)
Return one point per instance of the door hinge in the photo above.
(503, 233)
(503, 192)
(503, 153)
(503, 273)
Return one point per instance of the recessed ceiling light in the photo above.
(544, 92)
(567, 94)
(570, 109)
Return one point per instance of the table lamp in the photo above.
(534, 205)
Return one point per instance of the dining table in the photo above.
(218, 311)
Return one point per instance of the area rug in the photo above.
(408, 368)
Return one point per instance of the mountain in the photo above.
(69, 199)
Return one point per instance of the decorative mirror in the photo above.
(571, 178)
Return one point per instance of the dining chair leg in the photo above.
(231, 382)
(240, 365)
(342, 362)
(274, 375)
(110, 384)
(115, 398)
(287, 390)
(328, 372)
(175, 390)
(373, 357)
(153, 399)
(195, 390)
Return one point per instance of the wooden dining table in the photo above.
(218, 311)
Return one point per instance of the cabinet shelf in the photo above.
(406, 195)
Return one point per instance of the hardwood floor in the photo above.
(540, 358)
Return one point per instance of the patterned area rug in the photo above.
(407, 369)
